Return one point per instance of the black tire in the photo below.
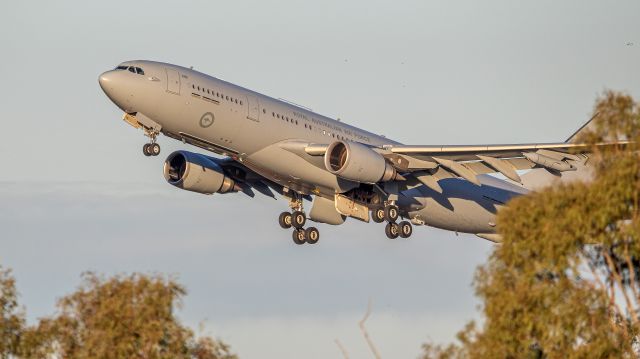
(154, 149)
(406, 229)
(285, 220)
(299, 237)
(391, 213)
(145, 149)
(312, 235)
(378, 215)
(392, 230)
(298, 219)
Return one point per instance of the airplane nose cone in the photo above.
(112, 86)
(105, 80)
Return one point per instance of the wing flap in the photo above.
(501, 166)
(459, 169)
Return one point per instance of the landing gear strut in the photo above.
(297, 219)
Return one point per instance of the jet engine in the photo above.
(357, 162)
(196, 173)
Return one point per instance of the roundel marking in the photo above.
(206, 120)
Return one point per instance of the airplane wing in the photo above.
(429, 164)
(468, 161)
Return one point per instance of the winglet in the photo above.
(575, 134)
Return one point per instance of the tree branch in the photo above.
(375, 352)
(618, 279)
(342, 349)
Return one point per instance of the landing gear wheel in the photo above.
(312, 235)
(153, 149)
(299, 236)
(378, 215)
(392, 230)
(145, 149)
(298, 219)
(391, 213)
(406, 229)
(285, 220)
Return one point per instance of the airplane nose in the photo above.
(105, 80)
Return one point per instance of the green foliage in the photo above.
(565, 281)
(11, 318)
(119, 317)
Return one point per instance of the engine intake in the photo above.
(197, 173)
(357, 162)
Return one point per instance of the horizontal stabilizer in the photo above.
(493, 237)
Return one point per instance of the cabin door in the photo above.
(173, 81)
(253, 108)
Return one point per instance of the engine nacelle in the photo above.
(196, 173)
(357, 162)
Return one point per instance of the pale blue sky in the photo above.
(77, 194)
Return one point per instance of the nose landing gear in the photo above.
(152, 148)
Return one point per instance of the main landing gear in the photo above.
(390, 214)
(297, 220)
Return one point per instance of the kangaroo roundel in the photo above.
(206, 120)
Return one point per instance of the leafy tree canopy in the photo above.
(11, 317)
(565, 281)
(119, 317)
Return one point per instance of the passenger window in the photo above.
(139, 71)
(131, 69)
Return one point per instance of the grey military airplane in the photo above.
(265, 145)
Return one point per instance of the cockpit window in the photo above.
(132, 69)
